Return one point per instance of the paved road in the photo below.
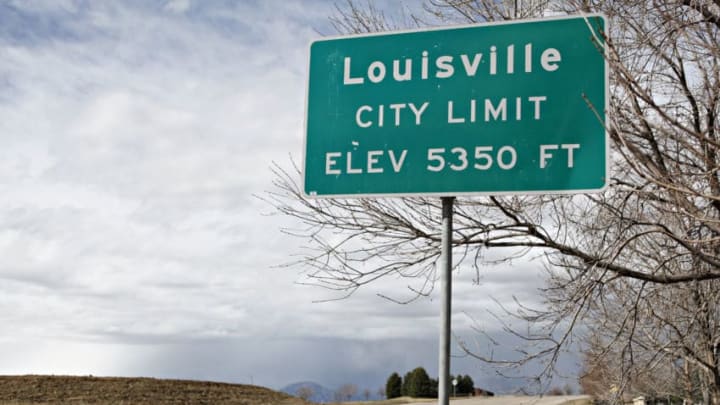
(514, 400)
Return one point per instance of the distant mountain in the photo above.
(320, 393)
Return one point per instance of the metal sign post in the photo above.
(446, 300)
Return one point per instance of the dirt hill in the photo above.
(33, 389)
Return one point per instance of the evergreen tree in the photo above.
(393, 387)
(418, 385)
(405, 382)
(465, 385)
(433, 388)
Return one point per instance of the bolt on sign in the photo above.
(504, 108)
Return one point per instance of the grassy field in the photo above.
(25, 390)
(67, 390)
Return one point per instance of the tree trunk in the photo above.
(715, 389)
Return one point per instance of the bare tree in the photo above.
(346, 392)
(305, 392)
(654, 341)
(640, 261)
(660, 321)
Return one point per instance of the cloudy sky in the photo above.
(134, 137)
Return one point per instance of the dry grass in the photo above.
(394, 401)
(45, 390)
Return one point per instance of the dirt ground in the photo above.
(22, 390)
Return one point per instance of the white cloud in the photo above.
(132, 141)
(131, 160)
(177, 6)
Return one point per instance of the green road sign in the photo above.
(484, 109)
